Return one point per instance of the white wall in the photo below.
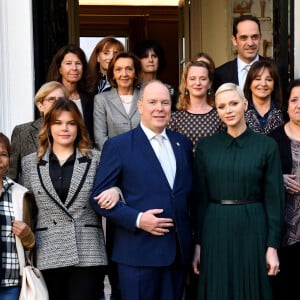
(16, 64)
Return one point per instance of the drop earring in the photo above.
(186, 92)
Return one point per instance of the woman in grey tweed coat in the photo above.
(70, 247)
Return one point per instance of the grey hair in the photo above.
(142, 90)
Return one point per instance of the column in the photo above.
(16, 64)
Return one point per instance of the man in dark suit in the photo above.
(152, 240)
(246, 37)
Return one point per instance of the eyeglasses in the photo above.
(51, 100)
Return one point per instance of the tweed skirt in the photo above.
(233, 254)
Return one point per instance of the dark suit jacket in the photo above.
(87, 102)
(24, 140)
(284, 144)
(129, 162)
(228, 72)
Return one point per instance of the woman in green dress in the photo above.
(240, 205)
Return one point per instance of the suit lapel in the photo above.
(177, 149)
(135, 99)
(234, 72)
(45, 179)
(115, 100)
(146, 150)
(34, 131)
(81, 167)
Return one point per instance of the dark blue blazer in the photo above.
(129, 162)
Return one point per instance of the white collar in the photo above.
(241, 64)
(150, 134)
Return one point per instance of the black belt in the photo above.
(235, 202)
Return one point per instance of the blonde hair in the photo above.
(184, 97)
(225, 87)
(47, 88)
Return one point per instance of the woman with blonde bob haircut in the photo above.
(240, 206)
(41, 99)
(70, 247)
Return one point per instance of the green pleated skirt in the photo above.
(233, 254)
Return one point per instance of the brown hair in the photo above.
(136, 63)
(198, 57)
(53, 71)
(93, 64)
(184, 97)
(82, 141)
(5, 141)
(255, 70)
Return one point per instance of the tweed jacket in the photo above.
(24, 140)
(110, 117)
(70, 233)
